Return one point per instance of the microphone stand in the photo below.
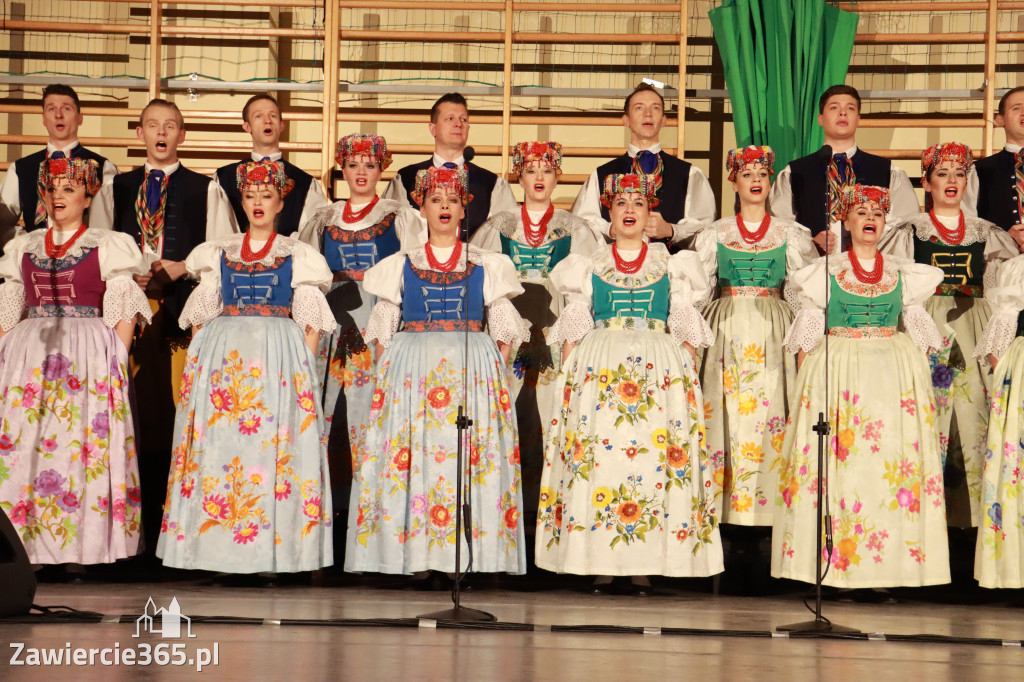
(463, 478)
(821, 624)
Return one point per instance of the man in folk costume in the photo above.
(686, 201)
(995, 190)
(169, 210)
(19, 190)
(449, 126)
(802, 188)
(261, 118)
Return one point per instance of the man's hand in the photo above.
(166, 271)
(657, 228)
(1017, 234)
(825, 241)
(143, 280)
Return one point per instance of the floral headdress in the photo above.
(364, 144)
(628, 183)
(430, 180)
(525, 153)
(865, 194)
(263, 173)
(738, 159)
(84, 172)
(959, 154)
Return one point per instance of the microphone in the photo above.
(468, 153)
(825, 153)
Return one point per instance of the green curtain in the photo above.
(779, 56)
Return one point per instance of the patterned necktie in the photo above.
(150, 207)
(449, 165)
(40, 217)
(650, 164)
(840, 175)
(265, 159)
(153, 183)
(1018, 169)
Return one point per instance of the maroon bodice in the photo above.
(69, 287)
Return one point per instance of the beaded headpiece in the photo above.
(430, 180)
(263, 173)
(959, 154)
(865, 194)
(525, 153)
(738, 159)
(84, 172)
(628, 183)
(364, 144)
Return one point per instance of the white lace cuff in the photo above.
(686, 325)
(790, 296)
(573, 324)
(383, 324)
(124, 300)
(12, 304)
(999, 332)
(807, 330)
(204, 304)
(921, 328)
(504, 323)
(310, 309)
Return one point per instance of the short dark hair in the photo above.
(257, 98)
(160, 102)
(643, 87)
(834, 91)
(61, 89)
(1002, 100)
(450, 98)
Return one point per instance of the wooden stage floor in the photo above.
(313, 651)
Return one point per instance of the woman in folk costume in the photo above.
(968, 250)
(354, 234)
(249, 490)
(428, 330)
(999, 557)
(69, 478)
(628, 489)
(747, 375)
(885, 469)
(537, 238)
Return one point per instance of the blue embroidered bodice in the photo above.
(431, 296)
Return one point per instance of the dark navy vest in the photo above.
(354, 251)
(481, 186)
(675, 179)
(431, 296)
(288, 219)
(997, 189)
(27, 170)
(184, 227)
(808, 180)
(256, 289)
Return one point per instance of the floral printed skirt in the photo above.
(884, 469)
(628, 488)
(402, 512)
(249, 489)
(69, 478)
(961, 383)
(747, 377)
(345, 364)
(999, 558)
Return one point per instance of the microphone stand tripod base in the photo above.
(822, 627)
(460, 614)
